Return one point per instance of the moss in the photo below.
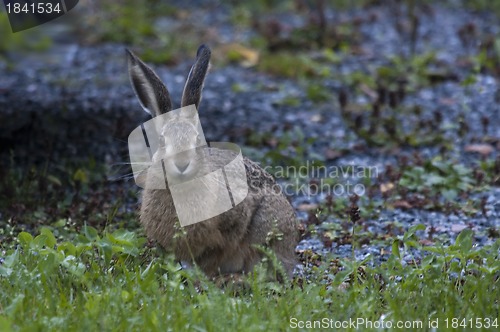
(291, 65)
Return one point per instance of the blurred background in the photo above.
(407, 86)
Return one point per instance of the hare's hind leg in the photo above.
(274, 225)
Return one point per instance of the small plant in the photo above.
(386, 118)
(290, 150)
(438, 178)
(65, 193)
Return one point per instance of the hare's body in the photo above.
(225, 244)
(228, 242)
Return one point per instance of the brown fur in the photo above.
(226, 243)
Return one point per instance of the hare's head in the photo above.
(179, 132)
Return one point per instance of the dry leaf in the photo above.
(307, 207)
(483, 149)
(332, 154)
(247, 57)
(447, 101)
(385, 187)
(426, 242)
(402, 204)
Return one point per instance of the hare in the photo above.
(229, 242)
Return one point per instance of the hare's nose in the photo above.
(182, 165)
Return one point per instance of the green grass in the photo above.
(112, 282)
(28, 40)
(71, 277)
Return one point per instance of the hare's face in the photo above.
(177, 148)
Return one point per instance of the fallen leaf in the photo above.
(385, 187)
(426, 242)
(332, 154)
(402, 204)
(483, 149)
(247, 57)
(307, 207)
(447, 101)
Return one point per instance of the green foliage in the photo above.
(123, 21)
(438, 177)
(318, 93)
(489, 57)
(109, 281)
(291, 150)
(491, 170)
(386, 118)
(416, 71)
(483, 5)
(60, 195)
(411, 73)
(126, 22)
(292, 65)
(29, 40)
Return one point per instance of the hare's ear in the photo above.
(148, 87)
(196, 77)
